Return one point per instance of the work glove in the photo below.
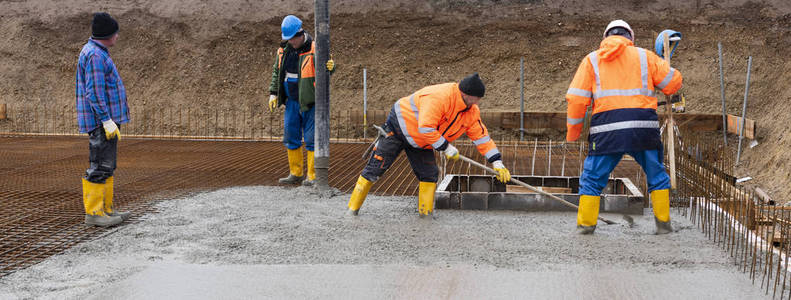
(111, 130)
(330, 65)
(451, 153)
(272, 102)
(504, 175)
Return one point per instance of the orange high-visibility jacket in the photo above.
(436, 115)
(619, 80)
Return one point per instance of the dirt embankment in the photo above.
(220, 54)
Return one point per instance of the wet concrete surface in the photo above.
(191, 281)
(271, 242)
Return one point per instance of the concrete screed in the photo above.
(274, 242)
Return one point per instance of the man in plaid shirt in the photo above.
(101, 107)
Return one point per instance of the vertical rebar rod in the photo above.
(768, 252)
(786, 244)
(743, 220)
(243, 129)
(779, 261)
(516, 157)
(365, 102)
(746, 255)
(754, 248)
(170, 125)
(722, 95)
(162, 121)
(730, 227)
(522, 99)
(744, 109)
(45, 120)
(533, 167)
(549, 158)
(563, 164)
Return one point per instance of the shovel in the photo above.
(530, 187)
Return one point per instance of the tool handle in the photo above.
(671, 147)
(380, 130)
(381, 134)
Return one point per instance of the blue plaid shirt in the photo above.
(101, 95)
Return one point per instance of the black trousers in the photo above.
(387, 150)
(103, 156)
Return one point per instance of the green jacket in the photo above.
(307, 74)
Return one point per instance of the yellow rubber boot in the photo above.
(93, 199)
(358, 195)
(108, 195)
(587, 214)
(660, 199)
(425, 198)
(311, 170)
(109, 209)
(294, 166)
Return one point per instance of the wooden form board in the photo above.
(556, 120)
(552, 190)
(733, 126)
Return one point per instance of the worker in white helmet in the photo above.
(618, 80)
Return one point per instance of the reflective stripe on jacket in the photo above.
(619, 81)
(436, 115)
(306, 77)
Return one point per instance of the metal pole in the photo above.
(322, 113)
(722, 95)
(522, 99)
(365, 102)
(744, 109)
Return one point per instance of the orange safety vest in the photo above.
(307, 68)
(436, 115)
(306, 78)
(619, 80)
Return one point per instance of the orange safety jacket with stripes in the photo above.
(618, 80)
(436, 115)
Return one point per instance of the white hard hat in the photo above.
(618, 23)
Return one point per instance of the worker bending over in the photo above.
(430, 119)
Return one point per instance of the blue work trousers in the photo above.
(297, 124)
(597, 169)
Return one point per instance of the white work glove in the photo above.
(451, 153)
(504, 175)
(272, 102)
(111, 130)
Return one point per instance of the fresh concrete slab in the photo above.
(274, 242)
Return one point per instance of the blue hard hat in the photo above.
(659, 46)
(291, 25)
